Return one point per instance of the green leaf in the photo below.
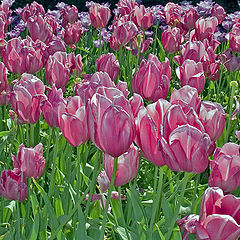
(161, 54)
(167, 210)
(35, 228)
(122, 232)
(4, 133)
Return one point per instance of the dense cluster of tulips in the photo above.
(152, 95)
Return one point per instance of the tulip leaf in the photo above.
(122, 232)
(167, 210)
(4, 133)
(81, 229)
(35, 228)
(8, 210)
(161, 54)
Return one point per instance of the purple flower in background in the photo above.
(204, 7)
(84, 19)
(61, 5)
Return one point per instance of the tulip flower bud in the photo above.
(171, 40)
(127, 166)
(69, 14)
(225, 168)
(99, 15)
(172, 13)
(190, 17)
(34, 9)
(73, 33)
(3, 77)
(234, 38)
(103, 181)
(30, 160)
(218, 12)
(13, 185)
(109, 64)
(144, 16)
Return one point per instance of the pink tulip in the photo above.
(122, 86)
(126, 6)
(3, 77)
(103, 181)
(172, 13)
(73, 121)
(109, 64)
(213, 71)
(39, 29)
(136, 103)
(190, 17)
(13, 185)
(218, 12)
(171, 40)
(225, 168)
(60, 65)
(212, 115)
(127, 166)
(20, 56)
(5, 95)
(87, 87)
(186, 149)
(50, 106)
(30, 160)
(33, 10)
(219, 217)
(144, 16)
(205, 28)
(110, 120)
(73, 33)
(148, 121)
(69, 15)
(152, 79)
(99, 15)
(192, 74)
(234, 38)
(26, 98)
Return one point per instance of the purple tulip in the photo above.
(13, 185)
(30, 160)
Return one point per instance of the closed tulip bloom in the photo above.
(49, 106)
(136, 103)
(99, 15)
(148, 121)
(186, 149)
(109, 64)
(234, 38)
(69, 14)
(152, 79)
(212, 115)
(103, 181)
(13, 185)
(172, 13)
(23, 56)
(190, 17)
(26, 98)
(218, 12)
(192, 74)
(34, 9)
(225, 168)
(127, 166)
(171, 40)
(3, 77)
(110, 121)
(219, 217)
(205, 28)
(144, 16)
(213, 71)
(39, 29)
(73, 33)
(126, 6)
(73, 121)
(30, 160)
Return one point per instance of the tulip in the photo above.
(73, 33)
(3, 77)
(127, 166)
(109, 64)
(225, 168)
(60, 65)
(20, 56)
(13, 185)
(126, 6)
(218, 12)
(171, 40)
(234, 38)
(136, 103)
(213, 71)
(144, 16)
(219, 217)
(212, 115)
(5, 95)
(110, 121)
(39, 29)
(186, 149)
(190, 17)
(87, 87)
(50, 106)
(230, 61)
(30, 160)
(69, 14)
(122, 86)
(72, 120)
(34, 9)
(192, 74)
(205, 28)
(103, 181)
(172, 13)
(152, 79)
(99, 15)
(148, 121)
(26, 98)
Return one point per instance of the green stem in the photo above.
(79, 150)
(55, 151)
(18, 220)
(108, 199)
(176, 212)
(156, 202)
(197, 179)
(32, 134)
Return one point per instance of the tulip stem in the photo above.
(18, 221)
(79, 151)
(108, 198)
(32, 134)
(93, 182)
(156, 201)
(176, 212)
